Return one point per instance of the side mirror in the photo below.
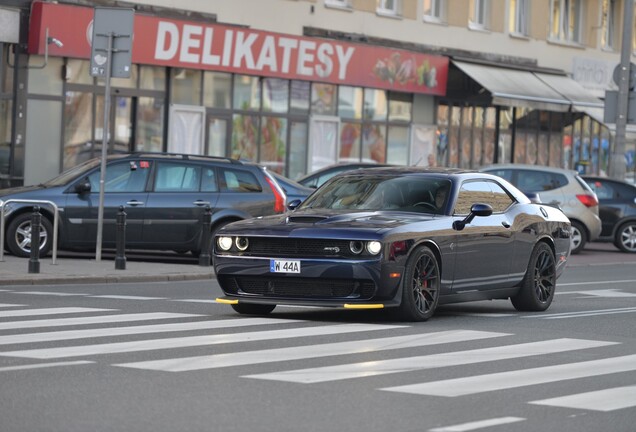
(83, 187)
(294, 204)
(475, 210)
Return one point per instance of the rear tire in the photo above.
(538, 285)
(19, 236)
(579, 237)
(625, 238)
(253, 309)
(420, 286)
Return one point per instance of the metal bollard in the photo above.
(120, 240)
(36, 222)
(206, 221)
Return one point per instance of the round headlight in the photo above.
(373, 247)
(225, 243)
(241, 243)
(356, 247)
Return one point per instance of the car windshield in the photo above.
(398, 193)
(72, 173)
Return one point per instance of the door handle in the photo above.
(134, 203)
(201, 203)
(505, 224)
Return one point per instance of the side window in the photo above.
(239, 181)
(208, 181)
(503, 173)
(500, 199)
(177, 177)
(602, 190)
(470, 193)
(538, 181)
(122, 177)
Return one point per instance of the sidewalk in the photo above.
(15, 271)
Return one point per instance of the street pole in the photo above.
(617, 164)
(102, 176)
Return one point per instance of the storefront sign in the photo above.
(195, 45)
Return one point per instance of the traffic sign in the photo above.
(632, 75)
(610, 113)
(115, 23)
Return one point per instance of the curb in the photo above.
(58, 280)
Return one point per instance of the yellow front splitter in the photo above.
(226, 301)
(363, 306)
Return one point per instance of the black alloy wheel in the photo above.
(537, 289)
(19, 236)
(253, 309)
(421, 285)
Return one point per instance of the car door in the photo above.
(124, 185)
(485, 246)
(180, 192)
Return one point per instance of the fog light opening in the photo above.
(241, 243)
(356, 247)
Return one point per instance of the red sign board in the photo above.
(196, 45)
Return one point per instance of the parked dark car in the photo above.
(617, 209)
(293, 190)
(317, 178)
(397, 237)
(164, 196)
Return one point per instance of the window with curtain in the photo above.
(480, 11)
(519, 17)
(609, 17)
(565, 20)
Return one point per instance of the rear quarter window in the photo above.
(539, 181)
(239, 181)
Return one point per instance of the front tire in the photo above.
(19, 236)
(538, 285)
(420, 286)
(579, 237)
(253, 309)
(625, 238)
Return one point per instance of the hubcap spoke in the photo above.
(424, 284)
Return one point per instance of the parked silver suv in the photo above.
(562, 187)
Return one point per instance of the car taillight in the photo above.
(588, 200)
(279, 196)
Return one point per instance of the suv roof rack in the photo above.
(186, 156)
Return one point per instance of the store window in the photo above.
(519, 17)
(323, 99)
(77, 72)
(375, 105)
(434, 10)
(217, 90)
(5, 138)
(275, 95)
(130, 82)
(186, 87)
(297, 149)
(400, 107)
(273, 141)
(504, 146)
(152, 78)
(78, 127)
(350, 102)
(300, 94)
(247, 93)
(479, 14)
(244, 135)
(565, 20)
(609, 17)
(453, 136)
(350, 142)
(149, 130)
(374, 142)
(397, 152)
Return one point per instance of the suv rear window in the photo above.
(538, 181)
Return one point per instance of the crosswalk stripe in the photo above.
(310, 351)
(601, 400)
(582, 313)
(10, 305)
(372, 368)
(135, 330)
(465, 427)
(49, 311)
(100, 319)
(520, 378)
(170, 343)
(126, 297)
(49, 293)
(44, 365)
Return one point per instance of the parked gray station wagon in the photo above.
(164, 196)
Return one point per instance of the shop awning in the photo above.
(571, 90)
(511, 87)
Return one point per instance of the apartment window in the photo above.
(609, 15)
(565, 20)
(389, 7)
(338, 3)
(434, 10)
(480, 11)
(519, 16)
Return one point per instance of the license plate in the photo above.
(284, 266)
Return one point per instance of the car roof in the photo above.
(177, 156)
(530, 167)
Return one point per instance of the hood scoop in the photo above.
(306, 219)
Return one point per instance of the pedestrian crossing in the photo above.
(162, 342)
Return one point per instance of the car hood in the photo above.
(19, 192)
(309, 222)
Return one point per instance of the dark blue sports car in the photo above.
(397, 237)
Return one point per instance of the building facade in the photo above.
(299, 84)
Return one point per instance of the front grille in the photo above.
(290, 247)
(298, 287)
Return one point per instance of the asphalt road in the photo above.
(163, 357)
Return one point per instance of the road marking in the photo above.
(597, 283)
(196, 300)
(310, 351)
(125, 297)
(180, 342)
(481, 314)
(409, 364)
(135, 330)
(465, 427)
(520, 378)
(606, 293)
(10, 305)
(44, 365)
(50, 293)
(602, 400)
(101, 319)
(49, 311)
(582, 313)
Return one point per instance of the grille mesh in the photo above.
(288, 247)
